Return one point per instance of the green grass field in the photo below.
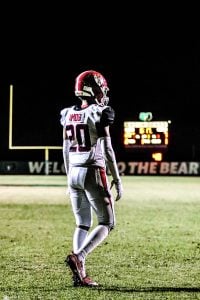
(153, 253)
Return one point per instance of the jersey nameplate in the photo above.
(76, 117)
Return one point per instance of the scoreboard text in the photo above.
(153, 134)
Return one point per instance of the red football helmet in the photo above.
(91, 85)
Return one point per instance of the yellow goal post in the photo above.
(12, 147)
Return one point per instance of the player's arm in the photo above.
(109, 153)
(66, 147)
(111, 163)
(66, 141)
(110, 156)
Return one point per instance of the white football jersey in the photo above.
(84, 130)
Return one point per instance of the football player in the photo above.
(87, 153)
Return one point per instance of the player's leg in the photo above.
(99, 196)
(83, 216)
(80, 206)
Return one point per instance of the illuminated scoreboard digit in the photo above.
(147, 134)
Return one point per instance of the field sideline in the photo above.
(153, 253)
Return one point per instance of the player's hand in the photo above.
(118, 187)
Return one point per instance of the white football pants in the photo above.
(89, 190)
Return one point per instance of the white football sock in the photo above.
(79, 238)
(97, 235)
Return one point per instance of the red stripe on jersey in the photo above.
(103, 178)
(104, 182)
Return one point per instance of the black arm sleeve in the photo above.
(107, 119)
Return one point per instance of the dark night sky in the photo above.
(149, 67)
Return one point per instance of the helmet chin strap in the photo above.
(103, 101)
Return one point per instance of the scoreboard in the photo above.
(147, 134)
